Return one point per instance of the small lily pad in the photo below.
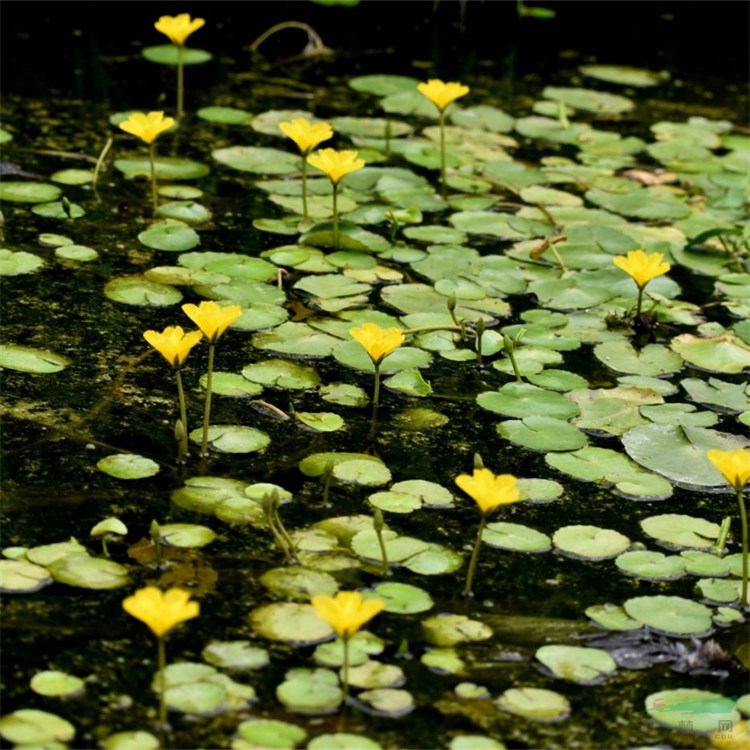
(536, 704)
(18, 262)
(310, 691)
(22, 577)
(271, 733)
(700, 710)
(401, 598)
(450, 630)
(128, 466)
(27, 359)
(612, 617)
(168, 54)
(297, 582)
(174, 236)
(672, 615)
(29, 726)
(362, 472)
(590, 542)
(28, 192)
(678, 531)
(290, 622)
(388, 702)
(229, 438)
(651, 565)
(186, 535)
(516, 537)
(235, 656)
(585, 666)
(56, 684)
(282, 373)
(137, 290)
(136, 740)
(89, 572)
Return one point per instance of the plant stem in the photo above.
(162, 659)
(152, 161)
(444, 187)
(180, 81)
(639, 302)
(345, 667)
(375, 397)
(512, 358)
(183, 449)
(474, 556)
(385, 569)
(743, 522)
(335, 216)
(304, 186)
(207, 406)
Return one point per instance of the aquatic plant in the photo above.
(148, 127)
(346, 613)
(442, 94)
(174, 345)
(213, 320)
(336, 164)
(489, 491)
(307, 136)
(641, 267)
(178, 28)
(161, 611)
(734, 466)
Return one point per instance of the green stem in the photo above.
(335, 216)
(327, 474)
(385, 569)
(207, 407)
(444, 186)
(183, 449)
(152, 162)
(345, 667)
(743, 521)
(474, 556)
(375, 398)
(639, 302)
(180, 81)
(304, 185)
(162, 659)
(512, 358)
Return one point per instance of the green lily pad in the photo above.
(625, 75)
(450, 630)
(362, 472)
(410, 382)
(436, 560)
(28, 192)
(443, 661)
(589, 99)
(170, 235)
(521, 399)
(342, 740)
(235, 656)
(137, 290)
(29, 726)
(700, 710)
(542, 433)
(282, 373)
(136, 740)
(652, 359)
(612, 617)
(677, 531)
(382, 85)
(388, 702)
(231, 384)
(256, 159)
(63, 210)
(46, 554)
(15, 263)
(585, 666)
(516, 537)
(590, 542)
(89, 572)
(203, 494)
(671, 615)
(310, 691)
(536, 704)
(168, 54)
(28, 359)
(725, 353)
(185, 535)
(321, 421)
(718, 394)
(78, 253)
(128, 466)
(56, 684)
(343, 394)
(297, 582)
(373, 674)
(187, 211)
(651, 565)
(22, 577)
(719, 590)
(289, 622)
(270, 733)
(166, 167)
(401, 598)
(317, 464)
(474, 742)
(225, 115)
(700, 563)
(362, 645)
(398, 548)
(229, 438)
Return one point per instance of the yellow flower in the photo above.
(173, 343)
(378, 342)
(161, 610)
(178, 28)
(346, 612)
(211, 318)
(734, 465)
(642, 267)
(336, 164)
(441, 94)
(489, 490)
(147, 127)
(305, 134)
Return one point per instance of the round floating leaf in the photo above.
(671, 615)
(167, 168)
(419, 419)
(652, 359)
(271, 733)
(612, 617)
(22, 577)
(343, 740)
(398, 548)
(50, 239)
(362, 472)
(373, 674)
(539, 490)
(203, 494)
(186, 211)
(257, 159)
(185, 535)
(651, 565)
(401, 598)
(73, 176)
(58, 210)
(137, 740)
(522, 399)
(704, 563)
(317, 464)
(624, 75)
(589, 99)
(310, 691)
(585, 666)
(290, 622)
(590, 542)
(168, 54)
(362, 645)
(516, 537)
(56, 684)
(89, 572)
(29, 726)
(680, 532)
(471, 691)
(46, 554)
(474, 742)
(180, 192)
(171, 236)
(449, 630)
(225, 115)
(719, 590)
(229, 438)
(383, 84)
(343, 394)
(128, 466)
(352, 354)
(536, 704)
(78, 253)
(28, 192)
(725, 353)
(387, 702)
(137, 290)
(700, 710)
(26, 359)
(282, 373)
(15, 263)
(231, 384)
(297, 582)
(235, 656)
(321, 421)
(436, 560)
(543, 433)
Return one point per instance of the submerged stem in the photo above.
(180, 81)
(162, 660)
(207, 406)
(474, 556)
(743, 523)
(444, 187)
(152, 162)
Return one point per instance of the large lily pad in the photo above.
(672, 615)
(89, 572)
(290, 622)
(28, 359)
(590, 542)
(698, 710)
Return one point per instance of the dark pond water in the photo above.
(66, 69)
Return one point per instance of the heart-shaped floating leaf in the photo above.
(235, 656)
(401, 598)
(586, 666)
(15, 263)
(89, 572)
(169, 54)
(54, 683)
(651, 565)
(128, 466)
(28, 192)
(290, 622)
(271, 733)
(516, 537)
(536, 704)
(701, 710)
(680, 532)
(137, 290)
(28, 359)
(29, 726)
(229, 438)
(449, 630)
(590, 542)
(22, 577)
(672, 615)
(310, 691)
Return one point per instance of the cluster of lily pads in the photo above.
(506, 275)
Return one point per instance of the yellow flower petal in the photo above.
(378, 342)
(147, 127)
(441, 94)
(346, 612)
(305, 134)
(489, 490)
(211, 318)
(173, 343)
(336, 164)
(642, 267)
(161, 610)
(734, 466)
(178, 28)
